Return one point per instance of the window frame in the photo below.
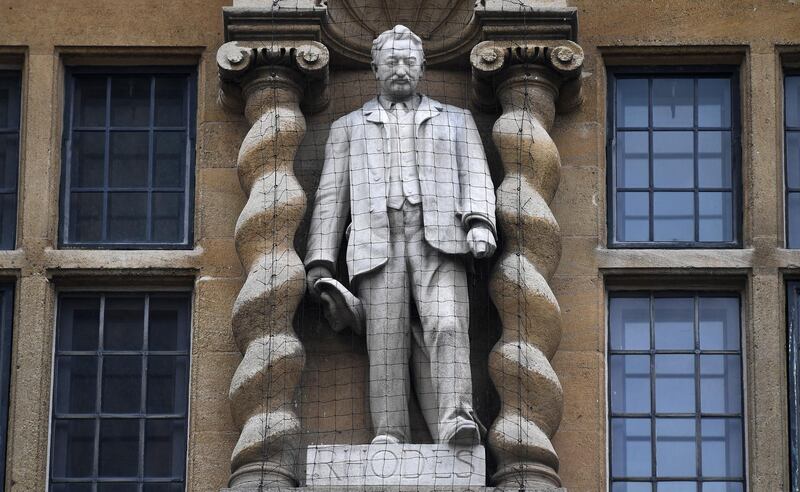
(191, 165)
(6, 341)
(101, 294)
(4, 71)
(695, 295)
(793, 358)
(788, 72)
(731, 72)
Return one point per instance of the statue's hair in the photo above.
(397, 32)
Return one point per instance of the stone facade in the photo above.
(42, 38)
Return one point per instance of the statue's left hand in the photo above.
(481, 241)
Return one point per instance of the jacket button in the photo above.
(376, 178)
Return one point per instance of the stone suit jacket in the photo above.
(453, 173)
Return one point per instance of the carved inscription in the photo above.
(395, 464)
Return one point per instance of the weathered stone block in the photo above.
(396, 464)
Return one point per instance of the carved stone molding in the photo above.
(269, 82)
(527, 80)
(449, 28)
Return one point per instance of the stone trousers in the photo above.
(436, 342)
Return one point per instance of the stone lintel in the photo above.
(261, 20)
(507, 19)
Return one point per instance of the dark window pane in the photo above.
(73, 448)
(714, 159)
(167, 377)
(720, 384)
(793, 222)
(792, 89)
(723, 487)
(631, 487)
(9, 160)
(171, 101)
(630, 383)
(77, 384)
(719, 323)
(88, 155)
(674, 376)
(676, 454)
(127, 217)
(713, 102)
(169, 324)
(673, 159)
(674, 323)
(630, 448)
(633, 160)
(130, 101)
(128, 159)
(677, 487)
(118, 487)
(632, 103)
(71, 487)
(629, 322)
(168, 217)
(673, 216)
(170, 159)
(165, 448)
(8, 220)
(78, 323)
(722, 448)
(85, 217)
(122, 384)
(90, 101)
(124, 323)
(633, 211)
(163, 487)
(673, 103)
(793, 159)
(715, 213)
(119, 448)
(9, 100)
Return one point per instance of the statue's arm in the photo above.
(332, 202)
(477, 190)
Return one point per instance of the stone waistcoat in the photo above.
(401, 165)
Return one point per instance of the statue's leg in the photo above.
(385, 296)
(423, 381)
(439, 287)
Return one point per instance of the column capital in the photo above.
(557, 63)
(245, 65)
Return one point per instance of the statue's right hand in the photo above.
(314, 274)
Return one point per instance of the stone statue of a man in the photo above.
(410, 176)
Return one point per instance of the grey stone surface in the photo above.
(396, 464)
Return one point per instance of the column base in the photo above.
(261, 477)
(527, 476)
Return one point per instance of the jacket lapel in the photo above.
(374, 112)
(428, 108)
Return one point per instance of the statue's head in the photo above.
(398, 62)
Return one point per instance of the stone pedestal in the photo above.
(396, 464)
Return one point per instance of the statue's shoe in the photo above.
(466, 434)
(385, 439)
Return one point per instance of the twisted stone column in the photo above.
(269, 81)
(526, 79)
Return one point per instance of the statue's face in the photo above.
(398, 66)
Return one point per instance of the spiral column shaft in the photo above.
(269, 86)
(531, 396)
